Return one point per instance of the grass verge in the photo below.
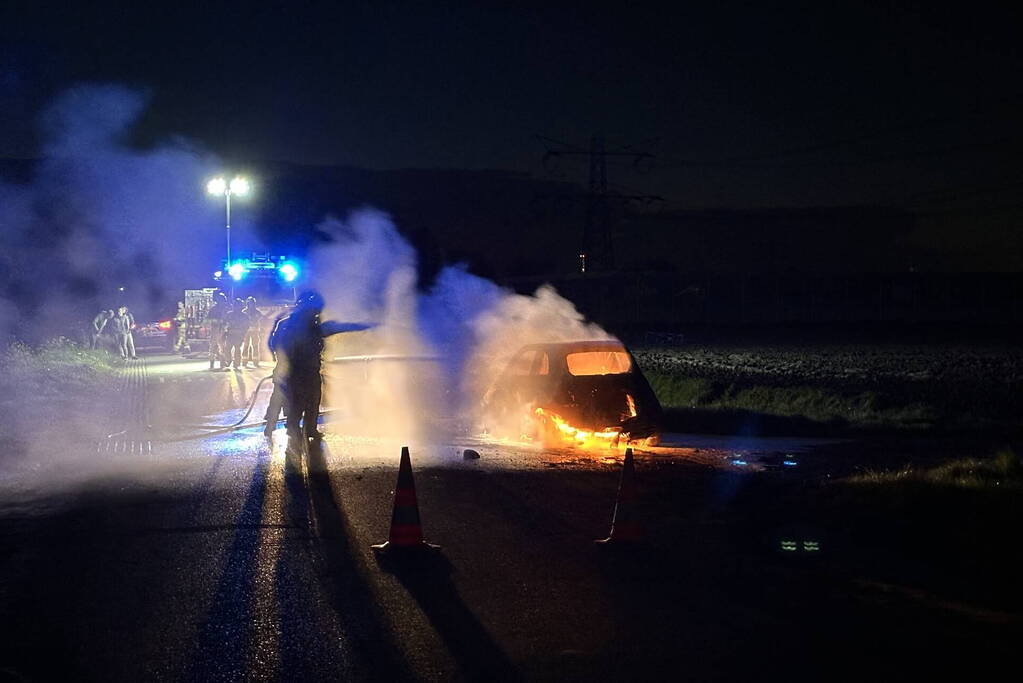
(1003, 472)
(58, 384)
(861, 410)
(955, 523)
(948, 529)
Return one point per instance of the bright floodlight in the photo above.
(217, 186)
(239, 186)
(236, 271)
(289, 271)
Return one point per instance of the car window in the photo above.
(522, 364)
(543, 365)
(598, 363)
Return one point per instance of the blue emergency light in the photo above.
(289, 271)
(238, 270)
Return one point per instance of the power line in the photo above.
(596, 249)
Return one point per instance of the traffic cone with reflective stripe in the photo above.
(625, 527)
(406, 531)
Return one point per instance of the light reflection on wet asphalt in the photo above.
(727, 452)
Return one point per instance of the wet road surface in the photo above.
(184, 570)
(223, 558)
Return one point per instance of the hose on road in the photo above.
(211, 430)
(252, 403)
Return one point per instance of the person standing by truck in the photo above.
(216, 317)
(254, 335)
(234, 333)
(181, 330)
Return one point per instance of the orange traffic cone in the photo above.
(406, 531)
(625, 528)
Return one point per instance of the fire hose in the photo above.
(215, 429)
(252, 403)
(211, 430)
(341, 359)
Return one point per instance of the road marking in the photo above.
(136, 447)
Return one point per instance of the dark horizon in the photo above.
(473, 125)
(740, 106)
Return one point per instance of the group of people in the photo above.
(110, 329)
(236, 332)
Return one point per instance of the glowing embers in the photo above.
(556, 428)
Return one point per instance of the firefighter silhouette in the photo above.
(297, 343)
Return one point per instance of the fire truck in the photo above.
(271, 280)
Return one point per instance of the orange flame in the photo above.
(631, 402)
(581, 437)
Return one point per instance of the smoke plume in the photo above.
(98, 215)
(434, 353)
(97, 222)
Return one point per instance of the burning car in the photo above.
(581, 392)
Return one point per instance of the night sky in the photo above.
(828, 104)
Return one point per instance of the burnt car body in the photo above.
(580, 387)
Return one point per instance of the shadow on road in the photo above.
(350, 591)
(427, 578)
(223, 638)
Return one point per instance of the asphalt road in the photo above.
(165, 554)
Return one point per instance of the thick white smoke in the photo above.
(98, 211)
(367, 273)
(453, 341)
(95, 215)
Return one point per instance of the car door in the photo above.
(509, 390)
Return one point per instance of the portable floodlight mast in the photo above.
(219, 186)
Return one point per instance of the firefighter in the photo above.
(277, 402)
(297, 341)
(250, 346)
(181, 330)
(99, 323)
(235, 330)
(216, 316)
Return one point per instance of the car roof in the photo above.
(577, 346)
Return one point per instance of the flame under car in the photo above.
(581, 392)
